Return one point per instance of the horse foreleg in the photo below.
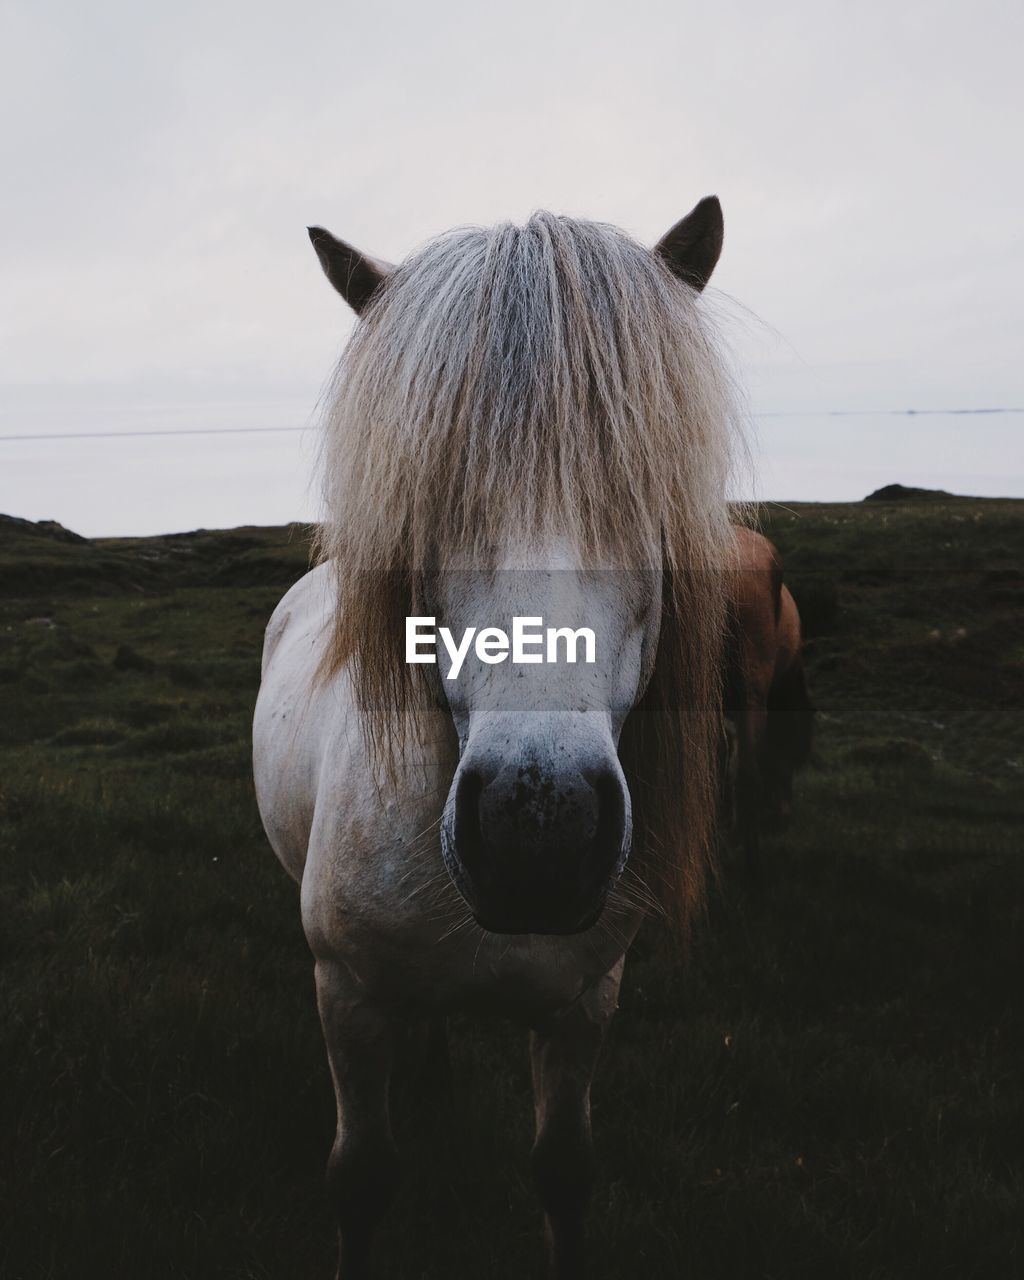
(362, 1171)
(563, 1053)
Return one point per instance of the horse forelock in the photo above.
(553, 379)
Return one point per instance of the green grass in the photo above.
(829, 1086)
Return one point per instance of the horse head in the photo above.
(532, 422)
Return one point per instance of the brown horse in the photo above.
(766, 699)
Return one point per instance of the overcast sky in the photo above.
(160, 164)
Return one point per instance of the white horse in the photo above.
(528, 421)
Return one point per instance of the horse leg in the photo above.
(362, 1170)
(750, 729)
(563, 1053)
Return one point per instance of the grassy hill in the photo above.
(828, 1087)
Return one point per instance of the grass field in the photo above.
(830, 1087)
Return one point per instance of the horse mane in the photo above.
(518, 381)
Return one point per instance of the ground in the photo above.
(828, 1085)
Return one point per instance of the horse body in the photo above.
(765, 692)
(527, 422)
(376, 898)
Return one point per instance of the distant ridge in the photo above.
(905, 493)
(39, 528)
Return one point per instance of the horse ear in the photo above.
(692, 247)
(355, 276)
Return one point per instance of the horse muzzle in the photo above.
(534, 845)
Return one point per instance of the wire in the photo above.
(879, 413)
(241, 431)
(176, 431)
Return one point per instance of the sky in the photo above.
(161, 164)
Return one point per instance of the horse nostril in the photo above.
(469, 836)
(611, 815)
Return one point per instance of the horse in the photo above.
(527, 421)
(765, 695)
